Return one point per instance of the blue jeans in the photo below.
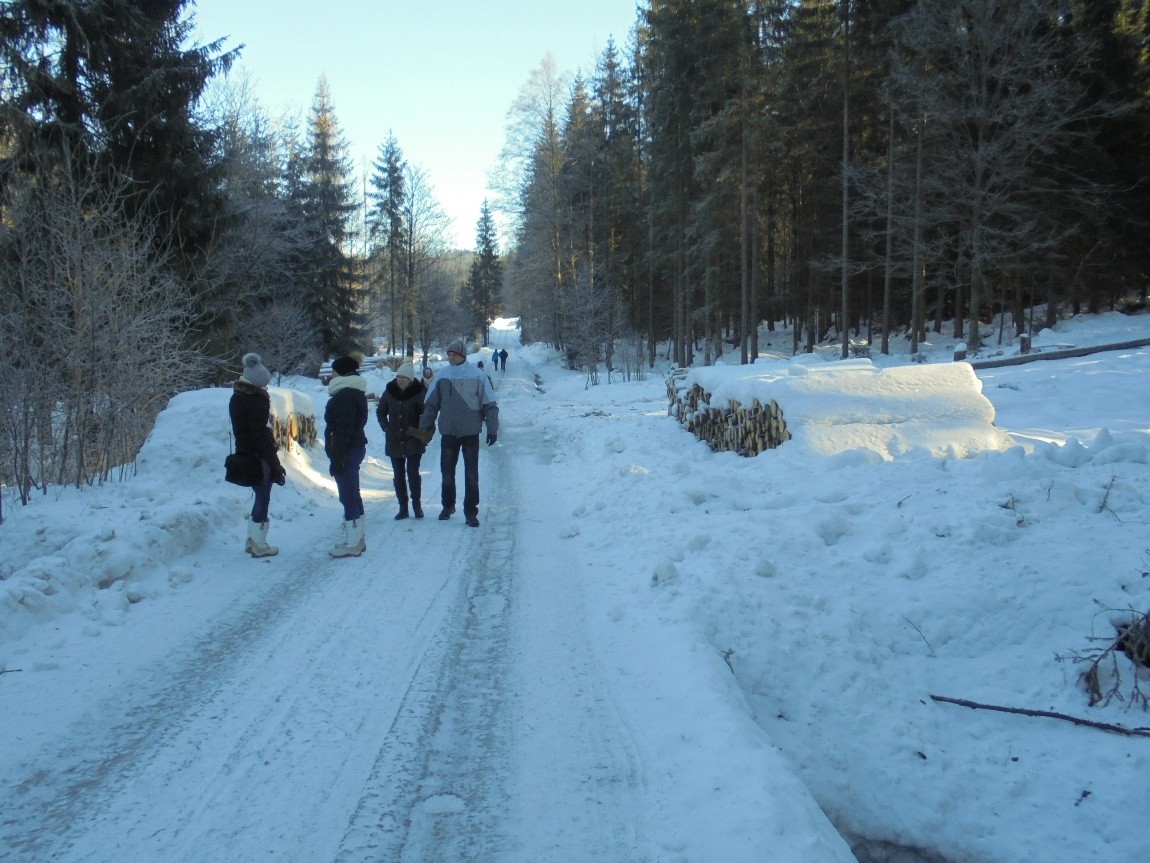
(347, 482)
(449, 448)
(263, 501)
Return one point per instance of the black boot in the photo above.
(400, 483)
(415, 483)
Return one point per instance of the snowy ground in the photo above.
(648, 651)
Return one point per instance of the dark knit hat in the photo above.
(254, 371)
(344, 366)
(457, 347)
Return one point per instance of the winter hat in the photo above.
(344, 366)
(457, 347)
(254, 371)
(407, 370)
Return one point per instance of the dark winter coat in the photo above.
(251, 411)
(399, 409)
(345, 418)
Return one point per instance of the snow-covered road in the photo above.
(452, 695)
(416, 703)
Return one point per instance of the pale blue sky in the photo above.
(441, 74)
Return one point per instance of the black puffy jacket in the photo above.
(344, 420)
(399, 410)
(251, 411)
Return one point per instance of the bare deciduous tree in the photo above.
(91, 329)
(991, 79)
(425, 243)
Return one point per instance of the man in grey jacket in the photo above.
(462, 397)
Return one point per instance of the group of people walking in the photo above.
(461, 397)
(500, 358)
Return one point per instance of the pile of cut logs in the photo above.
(744, 430)
(298, 427)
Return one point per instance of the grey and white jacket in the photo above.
(462, 398)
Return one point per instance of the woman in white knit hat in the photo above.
(399, 409)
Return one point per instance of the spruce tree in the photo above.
(619, 224)
(328, 205)
(386, 224)
(486, 277)
(112, 79)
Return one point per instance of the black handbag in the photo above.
(244, 469)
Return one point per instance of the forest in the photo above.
(860, 171)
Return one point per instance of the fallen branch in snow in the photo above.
(920, 635)
(1105, 503)
(1132, 637)
(1048, 714)
(1059, 355)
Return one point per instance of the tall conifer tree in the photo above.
(386, 223)
(112, 79)
(328, 204)
(486, 277)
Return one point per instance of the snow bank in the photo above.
(98, 552)
(854, 407)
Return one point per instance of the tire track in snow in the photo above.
(582, 789)
(215, 754)
(510, 746)
(437, 791)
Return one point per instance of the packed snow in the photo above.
(648, 651)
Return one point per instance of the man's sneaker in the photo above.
(446, 513)
(472, 521)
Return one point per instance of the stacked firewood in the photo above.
(297, 427)
(735, 428)
(1134, 639)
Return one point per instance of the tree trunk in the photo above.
(744, 280)
(888, 264)
(845, 278)
(916, 304)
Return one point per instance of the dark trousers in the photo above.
(449, 448)
(347, 482)
(406, 476)
(263, 500)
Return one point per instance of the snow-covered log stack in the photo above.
(733, 428)
(293, 417)
(827, 408)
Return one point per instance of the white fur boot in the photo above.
(351, 542)
(257, 544)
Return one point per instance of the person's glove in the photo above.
(336, 469)
(279, 476)
(491, 438)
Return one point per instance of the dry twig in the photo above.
(1048, 714)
